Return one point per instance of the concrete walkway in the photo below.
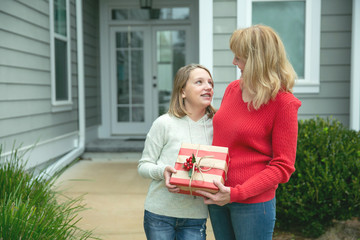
(114, 194)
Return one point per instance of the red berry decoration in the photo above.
(189, 164)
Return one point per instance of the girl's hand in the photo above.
(220, 198)
(167, 174)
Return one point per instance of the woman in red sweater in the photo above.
(257, 121)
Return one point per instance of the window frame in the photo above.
(311, 81)
(60, 105)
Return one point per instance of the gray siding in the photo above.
(335, 55)
(92, 63)
(224, 71)
(334, 96)
(26, 115)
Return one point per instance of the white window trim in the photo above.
(64, 105)
(311, 81)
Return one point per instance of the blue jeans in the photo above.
(158, 227)
(241, 221)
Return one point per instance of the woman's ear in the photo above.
(183, 93)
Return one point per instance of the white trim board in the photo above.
(46, 150)
(355, 70)
(206, 33)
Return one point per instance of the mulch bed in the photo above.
(342, 230)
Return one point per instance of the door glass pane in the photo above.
(130, 76)
(138, 14)
(123, 114)
(121, 40)
(170, 57)
(119, 14)
(288, 19)
(138, 114)
(176, 13)
(122, 63)
(137, 77)
(137, 39)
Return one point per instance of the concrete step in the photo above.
(115, 145)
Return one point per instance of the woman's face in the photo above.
(240, 63)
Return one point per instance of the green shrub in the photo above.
(29, 206)
(326, 183)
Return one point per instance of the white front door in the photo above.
(144, 61)
(130, 53)
(170, 52)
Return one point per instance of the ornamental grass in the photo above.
(29, 206)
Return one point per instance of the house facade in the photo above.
(74, 71)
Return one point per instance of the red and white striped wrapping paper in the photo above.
(214, 163)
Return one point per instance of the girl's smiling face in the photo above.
(198, 91)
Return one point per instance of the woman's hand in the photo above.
(167, 174)
(220, 198)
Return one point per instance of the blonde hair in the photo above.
(267, 69)
(177, 106)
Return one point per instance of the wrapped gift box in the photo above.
(212, 163)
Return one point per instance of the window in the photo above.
(60, 55)
(298, 24)
(175, 13)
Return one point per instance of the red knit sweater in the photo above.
(262, 143)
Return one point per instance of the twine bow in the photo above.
(200, 170)
(197, 168)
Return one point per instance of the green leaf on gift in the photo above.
(190, 172)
